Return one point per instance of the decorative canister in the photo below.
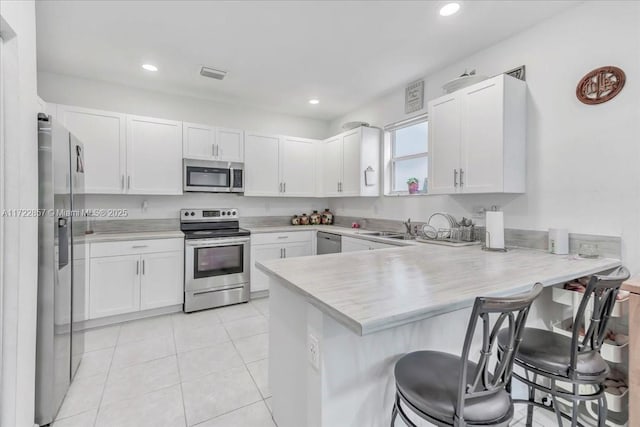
(327, 217)
(304, 219)
(315, 218)
(295, 220)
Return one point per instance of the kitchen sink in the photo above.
(401, 237)
(390, 234)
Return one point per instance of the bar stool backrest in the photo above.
(602, 290)
(513, 311)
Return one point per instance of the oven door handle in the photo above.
(215, 243)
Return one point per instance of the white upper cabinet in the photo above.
(205, 142)
(104, 138)
(345, 159)
(198, 141)
(154, 156)
(477, 138)
(332, 166)
(262, 176)
(297, 167)
(280, 166)
(229, 145)
(444, 145)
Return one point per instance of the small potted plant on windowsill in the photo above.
(413, 184)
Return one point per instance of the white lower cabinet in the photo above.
(115, 286)
(160, 273)
(140, 280)
(268, 246)
(350, 244)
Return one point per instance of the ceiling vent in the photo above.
(213, 73)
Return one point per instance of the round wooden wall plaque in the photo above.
(600, 85)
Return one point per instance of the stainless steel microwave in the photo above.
(212, 176)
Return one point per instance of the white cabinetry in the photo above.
(212, 143)
(268, 246)
(126, 154)
(130, 276)
(103, 134)
(351, 244)
(280, 166)
(261, 160)
(477, 138)
(345, 159)
(154, 156)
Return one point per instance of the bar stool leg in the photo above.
(394, 412)
(532, 399)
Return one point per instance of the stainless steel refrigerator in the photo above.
(61, 269)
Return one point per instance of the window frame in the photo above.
(392, 160)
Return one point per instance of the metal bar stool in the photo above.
(576, 360)
(449, 390)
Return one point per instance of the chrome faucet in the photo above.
(407, 225)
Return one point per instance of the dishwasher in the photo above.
(329, 243)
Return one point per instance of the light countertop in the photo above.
(140, 235)
(343, 231)
(369, 291)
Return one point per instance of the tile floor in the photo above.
(207, 369)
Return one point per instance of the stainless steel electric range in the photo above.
(216, 255)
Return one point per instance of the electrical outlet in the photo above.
(313, 351)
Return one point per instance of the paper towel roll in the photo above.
(495, 230)
(559, 241)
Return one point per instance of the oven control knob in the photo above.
(186, 214)
(234, 213)
(193, 213)
(224, 213)
(228, 212)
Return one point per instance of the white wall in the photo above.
(581, 160)
(64, 89)
(20, 235)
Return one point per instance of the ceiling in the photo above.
(279, 54)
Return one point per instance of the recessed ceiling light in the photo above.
(314, 101)
(449, 9)
(149, 67)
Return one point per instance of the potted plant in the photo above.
(413, 184)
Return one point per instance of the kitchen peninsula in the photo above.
(339, 322)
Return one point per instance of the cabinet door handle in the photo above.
(338, 186)
(217, 150)
(129, 182)
(142, 266)
(139, 246)
(284, 251)
(280, 252)
(137, 267)
(122, 182)
(280, 186)
(461, 174)
(455, 177)
(284, 187)
(283, 237)
(213, 150)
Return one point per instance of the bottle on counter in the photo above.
(327, 217)
(295, 220)
(304, 219)
(315, 218)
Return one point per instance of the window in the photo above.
(409, 157)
